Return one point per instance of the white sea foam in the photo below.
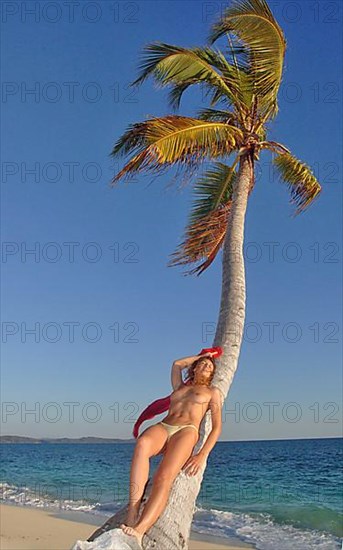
(260, 531)
(24, 496)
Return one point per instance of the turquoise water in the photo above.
(274, 494)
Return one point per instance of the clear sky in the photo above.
(110, 316)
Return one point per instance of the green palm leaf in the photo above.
(254, 24)
(208, 220)
(218, 115)
(160, 142)
(300, 179)
(182, 67)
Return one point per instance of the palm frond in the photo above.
(300, 180)
(163, 141)
(254, 24)
(274, 146)
(183, 67)
(208, 220)
(218, 115)
(240, 60)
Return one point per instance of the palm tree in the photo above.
(242, 87)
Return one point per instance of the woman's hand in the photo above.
(193, 464)
(208, 354)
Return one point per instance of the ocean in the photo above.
(275, 495)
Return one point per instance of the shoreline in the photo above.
(29, 528)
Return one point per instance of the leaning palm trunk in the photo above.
(229, 332)
(172, 529)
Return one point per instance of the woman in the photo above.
(175, 436)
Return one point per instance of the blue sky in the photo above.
(132, 315)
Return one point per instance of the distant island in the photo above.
(81, 440)
(20, 439)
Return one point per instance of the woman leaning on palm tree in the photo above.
(175, 436)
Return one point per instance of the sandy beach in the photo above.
(34, 529)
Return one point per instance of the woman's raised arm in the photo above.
(187, 361)
(179, 365)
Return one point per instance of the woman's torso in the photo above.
(188, 405)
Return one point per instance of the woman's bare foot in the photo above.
(131, 531)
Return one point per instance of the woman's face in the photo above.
(204, 367)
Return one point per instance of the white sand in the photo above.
(33, 529)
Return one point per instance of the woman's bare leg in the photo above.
(179, 449)
(148, 444)
(139, 475)
(152, 510)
